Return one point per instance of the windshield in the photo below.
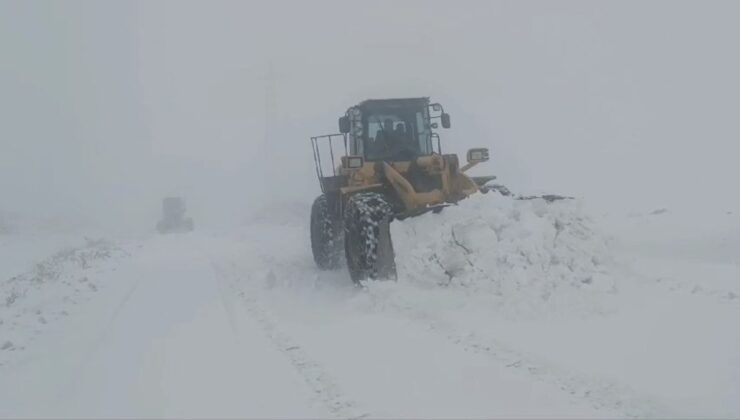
(396, 134)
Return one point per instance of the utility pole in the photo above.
(270, 107)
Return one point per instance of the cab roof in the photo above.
(393, 102)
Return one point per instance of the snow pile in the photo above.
(45, 293)
(524, 257)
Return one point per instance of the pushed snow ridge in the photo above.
(522, 256)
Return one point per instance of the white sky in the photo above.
(106, 106)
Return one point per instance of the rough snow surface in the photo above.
(502, 308)
(526, 258)
(50, 290)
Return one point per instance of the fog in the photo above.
(106, 107)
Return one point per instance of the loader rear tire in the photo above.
(367, 239)
(326, 242)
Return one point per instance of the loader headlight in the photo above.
(478, 155)
(352, 162)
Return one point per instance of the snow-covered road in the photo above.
(163, 339)
(242, 324)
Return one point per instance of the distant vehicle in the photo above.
(173, 216)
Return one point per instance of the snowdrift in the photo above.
(45, 293)
(523, 257)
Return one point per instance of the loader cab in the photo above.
(393, 129)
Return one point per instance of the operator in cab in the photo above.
(394, 143)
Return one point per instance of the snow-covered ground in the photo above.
(502, 309)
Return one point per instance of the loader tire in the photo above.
(325, 236)
(367, 239)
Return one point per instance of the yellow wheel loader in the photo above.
(385, 163)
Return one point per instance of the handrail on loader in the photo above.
(329, 138)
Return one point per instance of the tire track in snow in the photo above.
(100, 334)
(325, 391)
(600, 393)
(227, 304)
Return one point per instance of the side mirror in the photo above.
(445, 120)
(478, 155)
(344, 124)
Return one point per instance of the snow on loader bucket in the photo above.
(388, 165)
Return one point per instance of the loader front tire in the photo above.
(367, 238)
(325, 235)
